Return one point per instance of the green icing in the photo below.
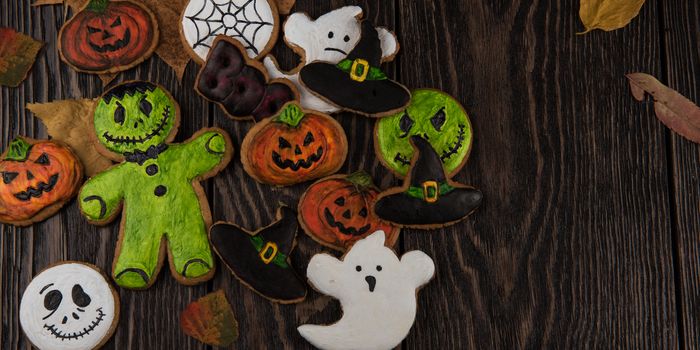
(374, 72)
(18, 150)
(291, 115)
(127, 124)
(452, 138)
(159, 201)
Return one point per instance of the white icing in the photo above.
(203, 20)
(312, 36)
(93, 323)
(380, 319)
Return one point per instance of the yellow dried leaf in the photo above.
(608, 14)
(68, 121)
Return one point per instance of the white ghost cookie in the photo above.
(69, 306)
(376, 290)
(329, 39)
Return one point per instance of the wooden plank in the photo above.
(572, 246)
(682, 34)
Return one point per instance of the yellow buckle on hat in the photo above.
(268, 252)
(353, 70)
(427, 186)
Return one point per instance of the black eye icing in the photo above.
(93, 30)
(117, 22)
(79, 296)
(346, 38)
(145, 106)
(43, 159)
(284, 143)
(358, 268)
(379, 267)
(119, 114)
(340, 201)
(308, 139)
(52, 300)
(7, 177)
(330, 35)
(438, 120)
(363, 212)
(406, 123)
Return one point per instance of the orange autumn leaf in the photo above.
(210, 320)
(673, 109)
(608, 14)
(17, 55)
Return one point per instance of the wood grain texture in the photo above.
(588, 236)
(682, 65)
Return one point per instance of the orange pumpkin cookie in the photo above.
(336, 211)
(293, 147)
(38, 178)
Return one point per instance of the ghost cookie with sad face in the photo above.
(377, 292)
(69, 306)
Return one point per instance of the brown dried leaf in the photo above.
(608, 14)
(210, 320)
(170, 48)
(673, 109)
(17, 55)
(107, 78)
(285, 6)
(68, 121)
(74, 4)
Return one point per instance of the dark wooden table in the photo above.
(589, 235)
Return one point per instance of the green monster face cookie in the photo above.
(135, 116)
(433, 115)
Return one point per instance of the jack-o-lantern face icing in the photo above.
(135, 116)
(108, 36)
(69, 306)
(37, 178)
(336, 211)
(433, 115)
(294, 147)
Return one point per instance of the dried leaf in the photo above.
(17, 55)
(673, 109)
(170, 47)
(68, 121)
(608, 14)
(285, 6)
(74, 4)
(210, 320)
(107, 78)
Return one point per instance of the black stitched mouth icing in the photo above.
(446, 154)
(142, 139)
(75, 335)
(118, 45)
(301, 163)
(336, 50)
(351, 231)
(37, 191)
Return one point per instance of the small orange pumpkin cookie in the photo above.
(293, 147)
(38, 178)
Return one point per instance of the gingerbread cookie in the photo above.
(157, 182)
(356, 83)
(336, 211)
(240, 85)
(69, 306)
(253, 23)
(377, 292)
(329, 38)
(428, 199)
(108, 36)
(38, 178)
(433, 115)
(260, 259)
(293, 147)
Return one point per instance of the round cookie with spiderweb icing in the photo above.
(254, 23)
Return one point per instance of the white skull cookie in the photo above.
(69, 306)
(377, 292)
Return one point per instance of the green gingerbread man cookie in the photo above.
(433, 115)
(157, 183)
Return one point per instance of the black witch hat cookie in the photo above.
(260, 260)
(428, 198)
(357, 84)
